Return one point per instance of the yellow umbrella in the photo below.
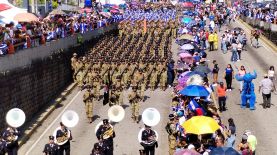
(186, 36)
(200, 125)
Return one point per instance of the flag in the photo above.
(193, 105)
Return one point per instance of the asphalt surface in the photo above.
(262, 122)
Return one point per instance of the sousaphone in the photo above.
(108, 133)
(116, 113)
(70, 119)
(152, 142)
(15, 117)
(151, 117)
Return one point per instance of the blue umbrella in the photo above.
(195, 90)
(224, 151)
(186, 20)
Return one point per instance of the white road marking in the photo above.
(59, 116)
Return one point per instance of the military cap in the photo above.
(51, 137)
(171, 116)
(74, 54)
(105, 121)
(96, 146)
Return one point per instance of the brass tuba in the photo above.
(107, 134)
(70, 119)
(14, 118)
(151, 117)
(116, 113)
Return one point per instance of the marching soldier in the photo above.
(153, 79)
(105, 135)
(172, 133)
(134, 99)
(80, 77)
(73, 64)
(126, 78)
(88, 100)
(118, 92)
(163, 79)
(51, 148)
(96, 85)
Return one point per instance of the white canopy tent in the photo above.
(7, 15)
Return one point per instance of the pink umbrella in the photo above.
(105, 14)
(186, 152)
(114, 11)
(185, 55)
(188, 5)
(87, 10)
(179, 87)
(115, 7)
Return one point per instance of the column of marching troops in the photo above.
(136, 58)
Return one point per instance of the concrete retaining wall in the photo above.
(36, 76)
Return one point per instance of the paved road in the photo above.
(261, 121)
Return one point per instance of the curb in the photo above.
(27, 134)
(263, 38)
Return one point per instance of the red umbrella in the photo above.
(188, 5)
(4, 7)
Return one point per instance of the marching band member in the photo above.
(97, 150)
(105, 134)
(149, 143)
(10, 135)
(62, 135)
(51, 148)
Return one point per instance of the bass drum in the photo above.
(55, 133)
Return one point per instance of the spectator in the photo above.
(229, 75)
(266, 86)
(221, 93)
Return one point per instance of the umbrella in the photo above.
(224, 151)
(86, 10)
(105, 14)
(183, 41)
(196, 72)
(185, 55)
(4, 7)
(186, 36)
(179, 87)
(180, 66)
(57, 12)
(201, 125)
(25, 17)
(195, 90)
(186, 152)
(188, 5)
(187, 47)
(203, 69)
(114, 11)
(186, 20)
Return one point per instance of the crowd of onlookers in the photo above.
(264, 14)
(15, 37)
